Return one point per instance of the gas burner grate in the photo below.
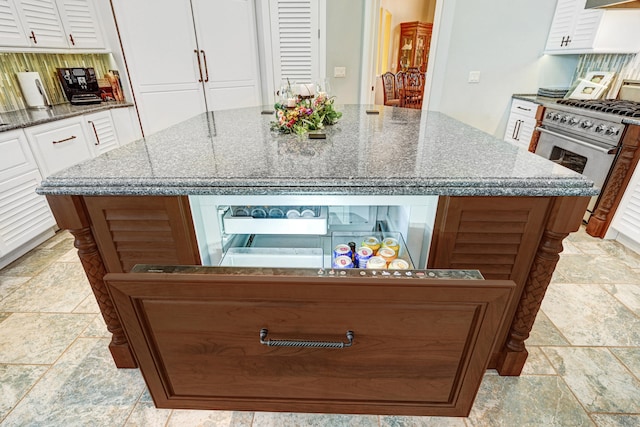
(612, 106)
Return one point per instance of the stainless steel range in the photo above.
(585, 135)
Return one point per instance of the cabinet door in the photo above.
(520, 129)
(295, 50)
(101, 131)
(143, 230)
(420, 346)
(627, 217)
(162, 54)
(42, 23)
(81, 24)
(23, 213)
(562, 25)
(11, 31)
(15, 155)
(586, 27)
(125, 120)
(58, 145)
(231, 69)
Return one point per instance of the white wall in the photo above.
(504, 40)
(344, 48)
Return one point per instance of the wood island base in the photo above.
(513, 241)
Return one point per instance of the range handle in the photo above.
(577, 141)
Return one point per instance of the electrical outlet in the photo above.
(474, 76)
(339, 71)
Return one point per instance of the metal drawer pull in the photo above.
(65, 140)
(302, 343)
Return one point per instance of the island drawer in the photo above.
(419, 346)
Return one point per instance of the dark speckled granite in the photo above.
(25, 118)
(397, 152)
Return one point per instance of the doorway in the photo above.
(400, 35)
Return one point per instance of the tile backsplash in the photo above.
(626, 67)
(45, 64)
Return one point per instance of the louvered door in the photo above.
(627, 218)
(43, 23)
(11, 31)
(296, 40)
(143, 230)
(498, 236)
(81, 24)
(102, 131)
(23, 214)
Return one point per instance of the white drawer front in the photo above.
(525, 108)
(57, 148)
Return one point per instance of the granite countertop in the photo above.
(396, 152)
(31, 117)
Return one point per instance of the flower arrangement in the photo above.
(303, 114)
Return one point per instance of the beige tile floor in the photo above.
(583, 369)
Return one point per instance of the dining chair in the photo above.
(412, 89)
(390, 97)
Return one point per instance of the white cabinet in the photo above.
(60, 24)
(80, 20)
(24, 215)
(575, 29)
(522, 122)
(11, 31)
(626, 221)
(58, 145)
(127, 125)
(212, 52)
(101, 131)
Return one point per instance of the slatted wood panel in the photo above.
(499, 239)
(143, 230)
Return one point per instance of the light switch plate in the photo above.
(474, 76)
(339, 71)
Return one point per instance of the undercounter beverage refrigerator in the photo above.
(325, 232)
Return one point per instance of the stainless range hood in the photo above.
(612, 4)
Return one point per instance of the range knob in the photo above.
(549, 115)
(600, 128)
(555, 117)
(612, 131)
(573, 121)
(563, 119)
(587, 124)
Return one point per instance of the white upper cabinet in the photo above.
(11, 31)
(50, 24)
(80, 21)
(577, 30)
(42, 23)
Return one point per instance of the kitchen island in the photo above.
(498, 209)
